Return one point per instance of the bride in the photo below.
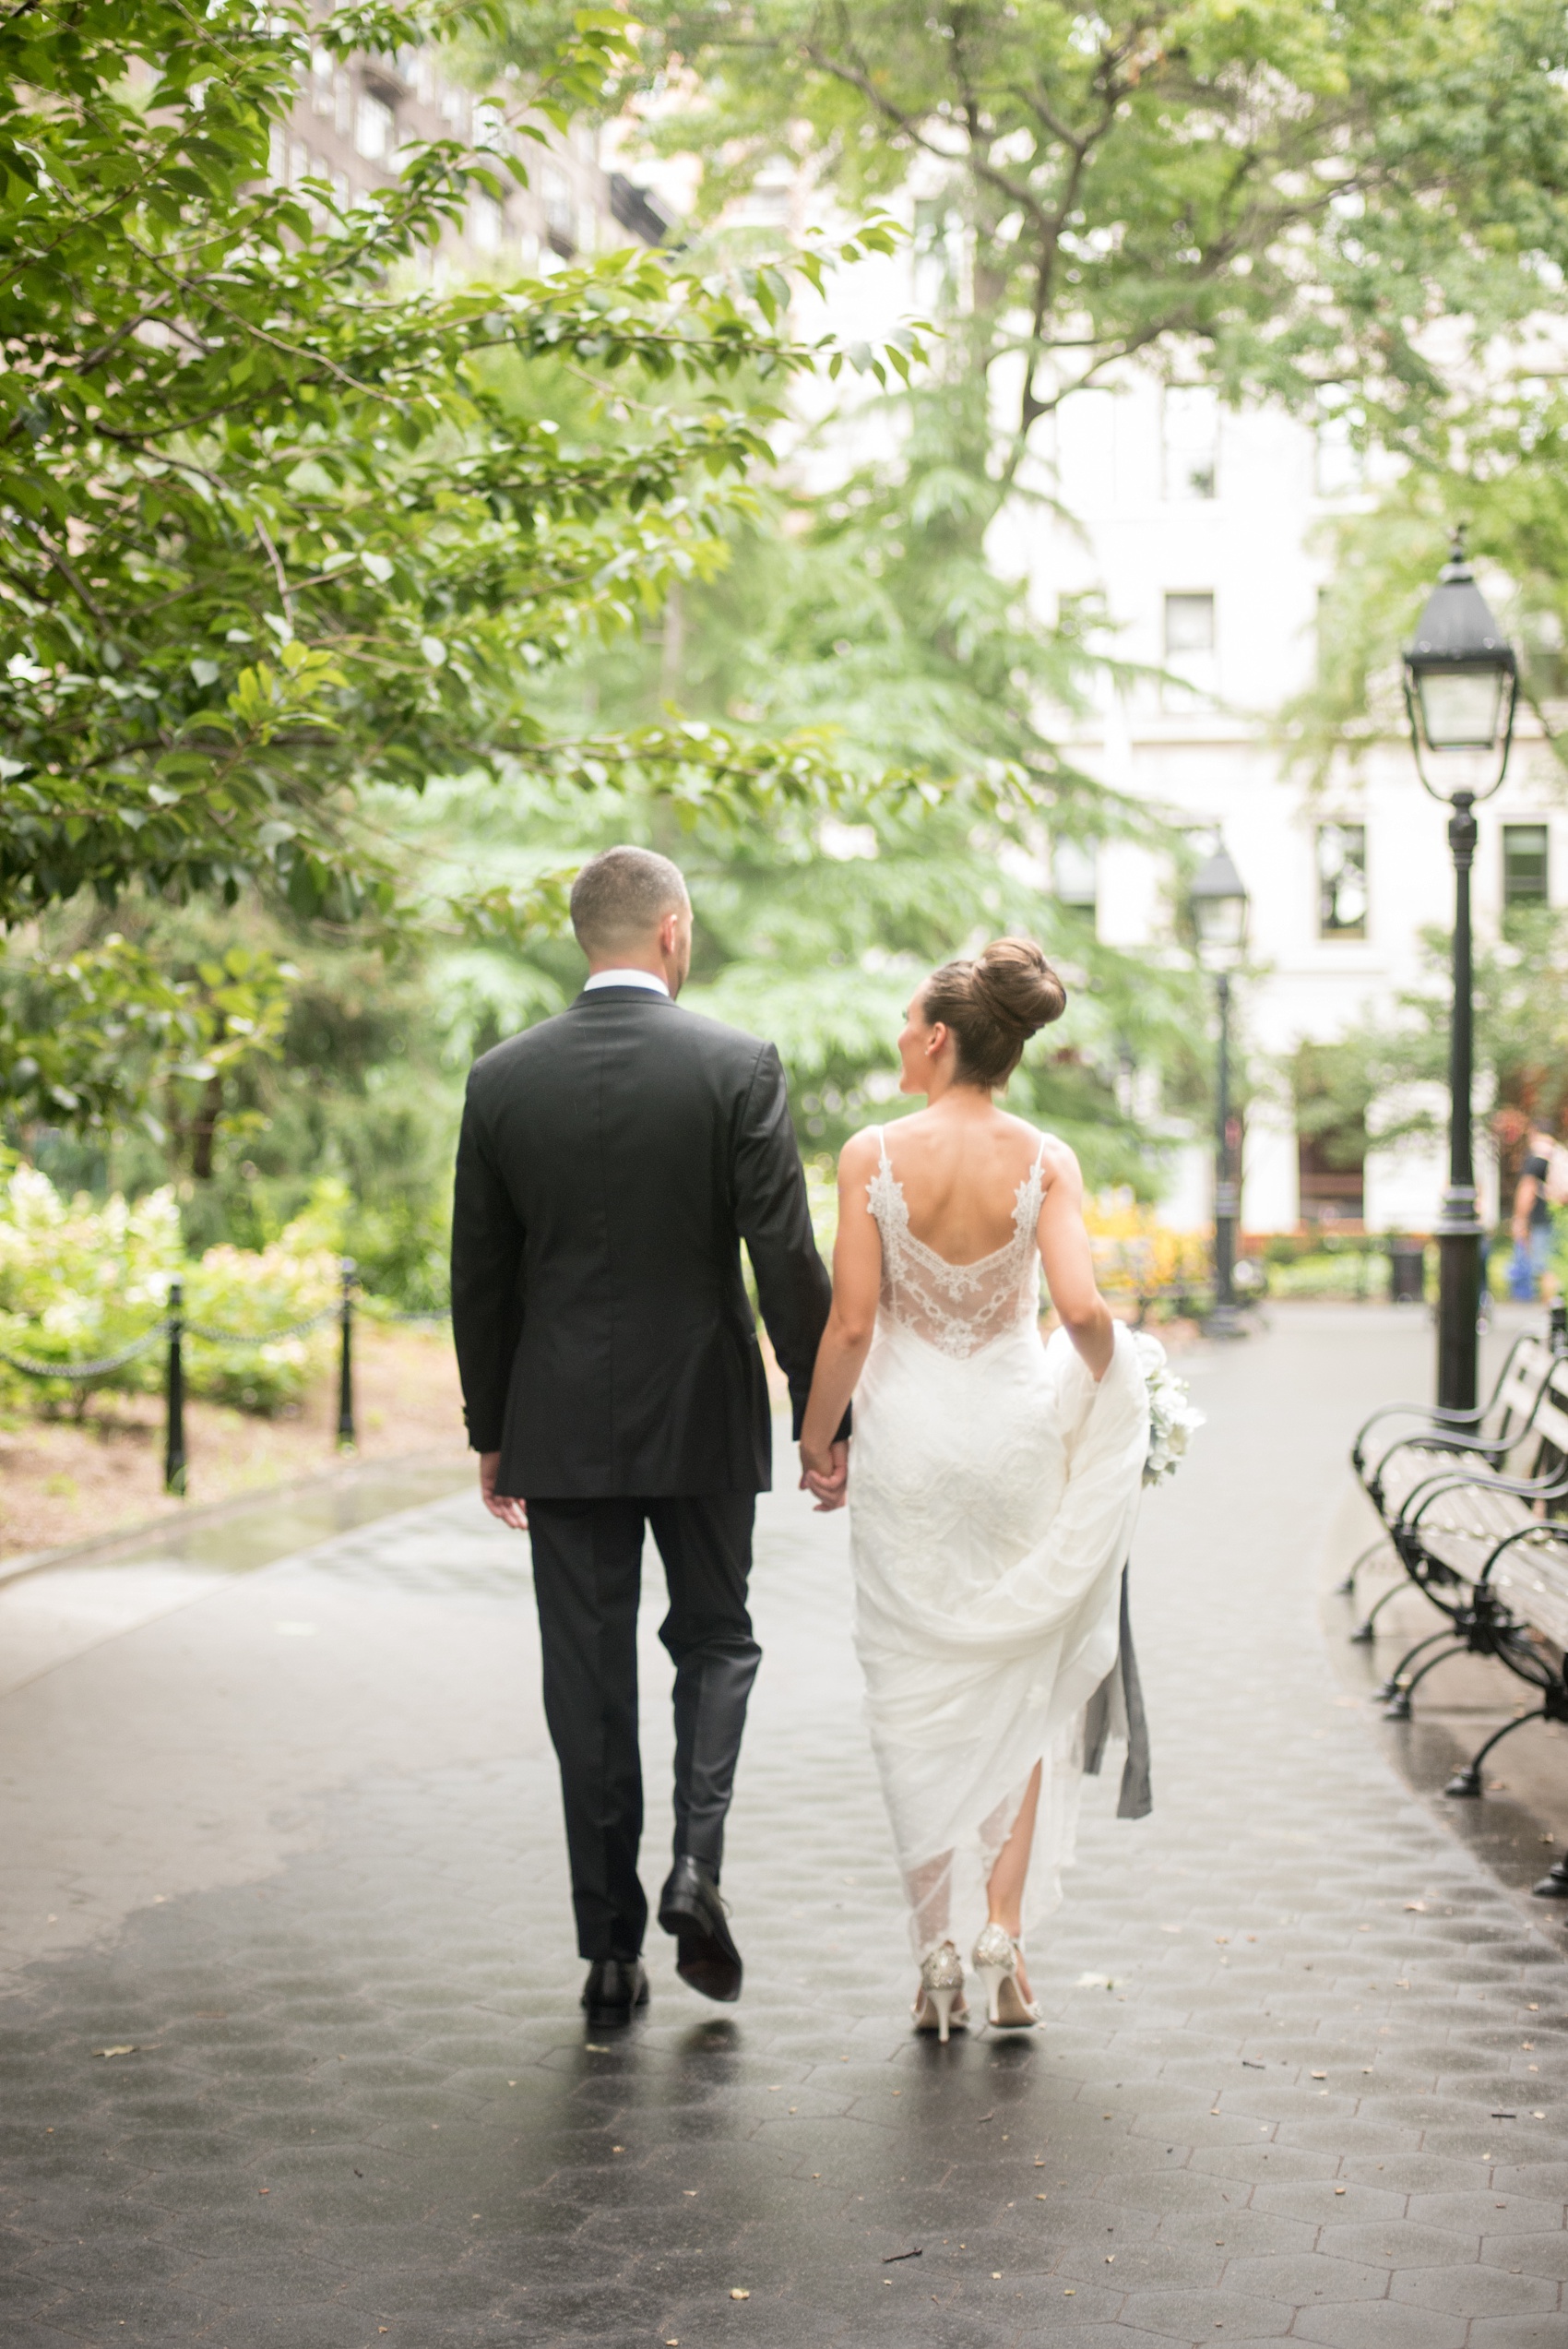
(995, 1478)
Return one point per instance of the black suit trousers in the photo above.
(588, 1572)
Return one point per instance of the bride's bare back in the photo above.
(960, 1178)
(959, 1166)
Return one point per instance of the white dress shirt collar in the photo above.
(649, 979)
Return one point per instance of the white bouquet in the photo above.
(1171, 1418)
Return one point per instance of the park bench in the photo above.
(1404, 1448)
(1465, 1504)
(1522, 1594)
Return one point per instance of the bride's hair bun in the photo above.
(994, 1003)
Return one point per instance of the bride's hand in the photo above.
(826, 1474)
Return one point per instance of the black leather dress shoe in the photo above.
(614, 1988)
(705, 1955)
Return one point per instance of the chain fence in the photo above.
(173, 1330)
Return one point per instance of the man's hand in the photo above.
(825, 1476)
(510, 1512)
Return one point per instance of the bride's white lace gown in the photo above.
(992, 1494)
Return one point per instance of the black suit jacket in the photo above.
(611, 1161)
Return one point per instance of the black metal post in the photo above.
(174, 1395)
(346, 1436)
(1458, 1227)
(1224, 1321)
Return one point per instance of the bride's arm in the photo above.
(857, 1282)
(1069, 1265)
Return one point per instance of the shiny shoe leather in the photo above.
(614, 1989)
(705, 1955)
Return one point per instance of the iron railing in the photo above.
(175, 1327)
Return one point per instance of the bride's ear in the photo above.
(936, 1040)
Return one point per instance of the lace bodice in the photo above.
(958, 1308)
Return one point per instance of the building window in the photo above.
(559, 222)
(1192, 441)
(1342, 880)
(485, 223)
(321, 84)
(372, 127)
(1075, 876)
(1189, 626)
(1189, 649)
(1524, 864)
(1331, 1134)
(1340, 471)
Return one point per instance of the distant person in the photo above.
(611, 1161)
(992, 1480)
(1533, 1204)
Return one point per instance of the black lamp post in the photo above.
(1220, 919)
(1461, 688)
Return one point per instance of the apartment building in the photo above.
(1208, 533)
(353, 119)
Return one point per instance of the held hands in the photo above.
(511, 1512)
(825, 1473)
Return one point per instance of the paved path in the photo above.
(293, 1839)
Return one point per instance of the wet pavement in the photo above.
(286, 1839)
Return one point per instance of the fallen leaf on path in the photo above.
(131, 2050)
(738, 2295)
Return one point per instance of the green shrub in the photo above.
(1346, 1271)
(78, 1283)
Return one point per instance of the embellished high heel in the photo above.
(942, 1983)
(995, 1960)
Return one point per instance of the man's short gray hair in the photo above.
(621, 897)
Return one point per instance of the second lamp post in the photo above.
(1461, 687)
(1219, 919)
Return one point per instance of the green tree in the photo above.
(272, 538)
(1283, 198)
(1282, 194)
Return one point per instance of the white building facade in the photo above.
(1201, 526)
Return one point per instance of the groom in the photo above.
(611, 1161)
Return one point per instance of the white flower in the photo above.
(1172, 1418)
